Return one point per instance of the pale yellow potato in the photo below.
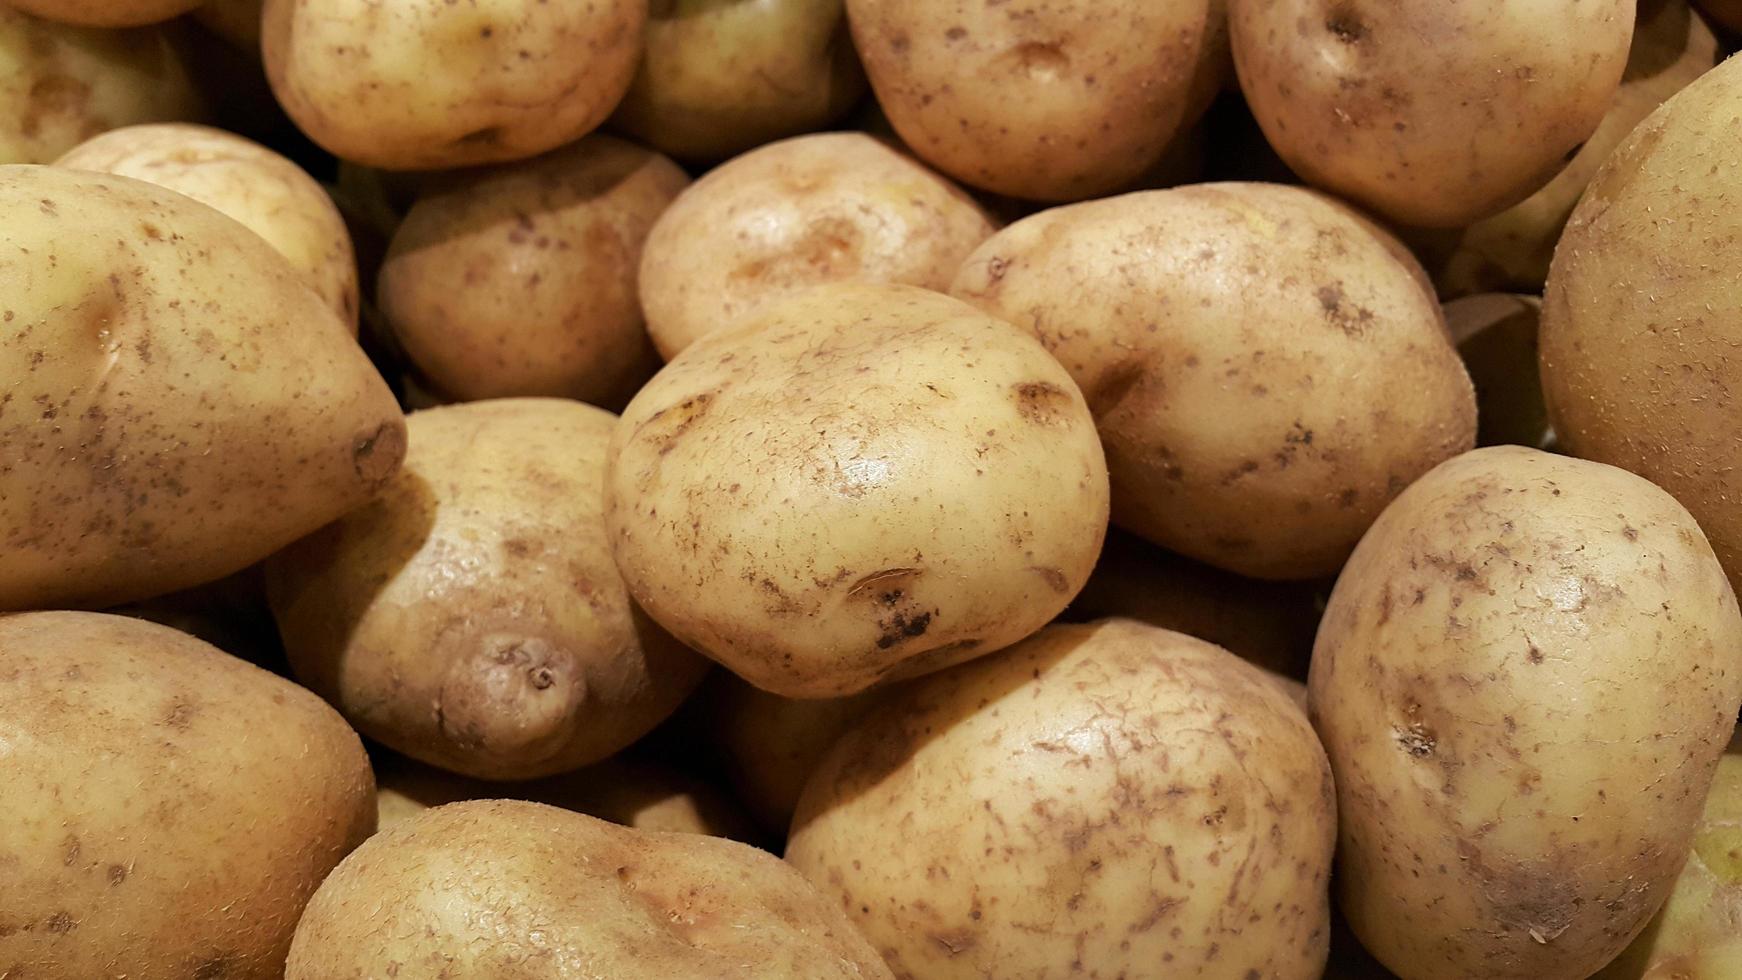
(1727, 13)
(1524, 679)
(431, 84)
(520, 279)
(1052, 100)
(236, 21)
(1103, 800)
(1265, 372)
(179, 403)
(833, 207)
(502, 890)
(863, 483)
(1496, 337)
(105, 13)
(166, 810)
(1430, 113)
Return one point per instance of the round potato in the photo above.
(1524, 679)
(1431, 113)
(500, 890)
(471, 616)
(165, 810)
(1265, 371)
(864, 483)
(1102, 800)
(827, 208)
(105, 13)
(520, 279)
(1496, 337)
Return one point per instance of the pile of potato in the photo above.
(922, 489)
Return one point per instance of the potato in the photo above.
(1639, 321)
(863, 483)
(1727, 13)
(1524, 679)
(165, 810)
(269, 194)
(236, 21)
(720, 78)
(1496, 337)
(426, 86)
(1053, 101)
(1431, 113)
(1265, 372)
(179, 403)
(105, 13)
(833, 207)
(520, 279)
(500, 890)
(1102, 800)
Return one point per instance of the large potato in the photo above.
(1103, 800)
(500, 890)
(866, 482)
(1496, 337)
(827, 208)
(178, 405)
(165, 810)
(105, 13)
(1431, 113)
(1524, 679)
(1265, 370)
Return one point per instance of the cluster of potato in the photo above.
(915, 489)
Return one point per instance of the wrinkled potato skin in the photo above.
(1050, 100)
(165, 810)
(264, 191)
(520, 280)
(1147, 805)
(1524, 679)
(430, 84)
(1496, 336)
(154, 444)
(471, 617)
(1264, 372)
(501, 890)
(105, 13)
(831, 207)
(1430, 113)
(865, 483)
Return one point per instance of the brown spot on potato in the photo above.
(1416, 739)
(956, 942)
(179, 715)
(1054, 578)
(1041, 402)
(1345, 24)
(60, 923)
(889, 583)
(117, 874)
(215, 967)
(901, 627)
(679, 419)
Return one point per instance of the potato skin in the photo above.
(165, 809)
(502, 890)
(1524, 679)
(864, 483)
(1110, 799)
(105, 13)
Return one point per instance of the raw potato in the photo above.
(105, 13)
(832, 207)
(1052, 100)
(500, 890)
(1103, 800)
(1431, 113)
(1524, 679)
(165, 810)
(264, 191)
(1265, 371)
(424, 85)
(520, 279)
(179, 404)
(1496, 337)
(864, 483)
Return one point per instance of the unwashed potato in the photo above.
(501, 890)
(520, 279)
(165, 810)
(1102, 800)
(1053, 100)
(1726, 12)
(1496, 337)
(425, 85)
(1431, 113)
(1265, 371)
(236, 21)
(179, 404)
(1524, 679)
(863, 483)
(105, 13)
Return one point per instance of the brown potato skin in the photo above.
(105, 13)
(165, 809)
(1524, 680)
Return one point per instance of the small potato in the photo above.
(105, 13)
(863, 483)
(520, 279)
(834, 207)
(1496, 337)
(501, 890)
(1102, 800)
(1524, 679)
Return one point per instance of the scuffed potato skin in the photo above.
(105, 13)
(1524, 679)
